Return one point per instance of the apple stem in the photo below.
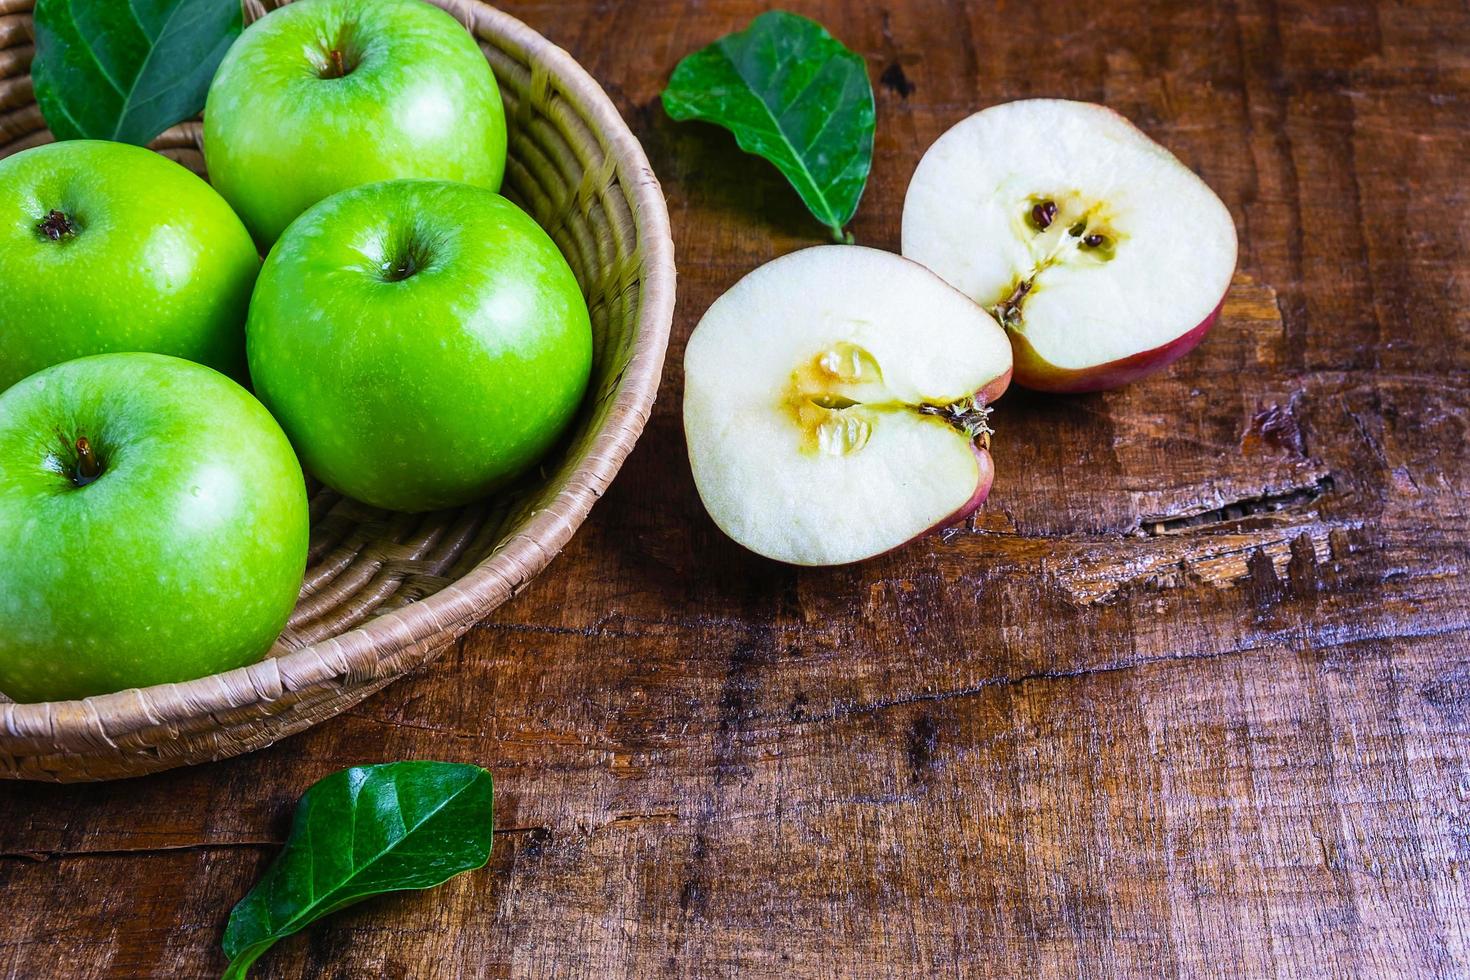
(1008, 311)
(340, 61)
(56, 225)
(89, 468)
(969, 415)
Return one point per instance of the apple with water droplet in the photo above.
(153, 527)
(422, 342)
(322, 95)
(109, 247)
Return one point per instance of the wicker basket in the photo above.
(386, 592)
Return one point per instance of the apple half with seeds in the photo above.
(1102, 255)
(835, 405)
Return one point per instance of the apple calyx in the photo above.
(1059, 229)
(56, 225)
(88, 467)
(837, 396)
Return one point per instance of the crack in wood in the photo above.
(1198, 545)
(1272, 501)
(983, 686)
(1218, 560)
(56, 854)
(540, 836)
(39, 856)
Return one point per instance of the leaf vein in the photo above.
(133, 12)
(828, 217)
(305, 914)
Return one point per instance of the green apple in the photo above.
(421, 342)
(109, 247)
(153, 523)
(322, 95)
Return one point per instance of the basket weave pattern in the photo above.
(385, 592)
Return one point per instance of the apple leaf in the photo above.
(792, 93)
(126, 70)
(361, 832)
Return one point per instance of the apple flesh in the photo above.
(835, 405)
(1102, 255)
(153, 523)
(322, 95)
(109, 247)
(421, 342)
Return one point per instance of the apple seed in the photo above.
(842, 433)
(849, 363)
(1043, 214)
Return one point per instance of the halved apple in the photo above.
(1102, 255)
(835, 405)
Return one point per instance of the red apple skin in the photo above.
(1039, 375)
(996, 388)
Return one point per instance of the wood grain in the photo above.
(1189, 697)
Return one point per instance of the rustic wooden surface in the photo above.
(1189, 697)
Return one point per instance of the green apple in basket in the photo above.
(108, 247)
(322, 95)
(153, 526)
(421, 342)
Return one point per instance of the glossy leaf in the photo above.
(127, 70)
(793, 94)
(362, 832)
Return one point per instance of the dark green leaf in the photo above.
(793, 94)
(127, 69)
(362, 832)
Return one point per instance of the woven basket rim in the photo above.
(438, 618)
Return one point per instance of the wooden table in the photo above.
(1190, 696)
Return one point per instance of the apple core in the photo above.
(832, 421)
(1059, 230)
